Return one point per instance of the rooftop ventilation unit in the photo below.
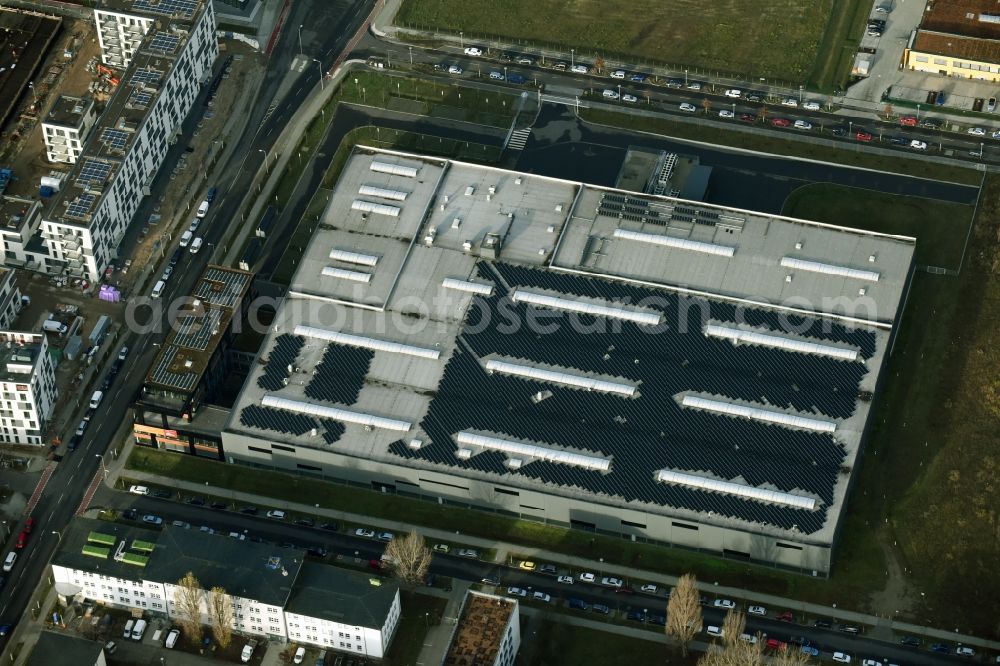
(463, 454)
(758, 414)
(415, 444)
(532, 451)
(564, 378)
(380, 209)
(556, 303)
(382, 193)
(344, 274)
(394, 169)
(676, 243)
(780, 342)
(358, 258)
(366, 343)
(829, 269)
(738, 489)
(470, 287)
(335, 413)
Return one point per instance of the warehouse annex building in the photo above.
(638, 365)
(957, 38)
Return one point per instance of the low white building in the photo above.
(275, 595)
(343, 610)
(28, 390)
(488, 632)
(66, 127)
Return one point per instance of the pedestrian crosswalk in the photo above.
(519, 138)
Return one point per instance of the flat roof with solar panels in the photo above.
(477, 330)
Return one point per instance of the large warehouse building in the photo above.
(669, 371)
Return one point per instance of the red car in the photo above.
(781, 122)
(864, 136)
(787, 617)
(748, 117)
(22, 539)
(908, 121)
(375, 564)
(28, 524)
(775, 644)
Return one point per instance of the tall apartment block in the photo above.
(66, 127)
(28, 390)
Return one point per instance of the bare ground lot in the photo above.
(772, 40)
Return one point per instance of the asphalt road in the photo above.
(73, 474)
(344, 543)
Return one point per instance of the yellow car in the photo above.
(527, 566)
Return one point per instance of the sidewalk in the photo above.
(877, 627)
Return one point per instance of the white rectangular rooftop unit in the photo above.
(759, 414)
(564, 378)
(829, 269)
(335, 413)
(570, 305)
(366, 343)
(394, 169)
(350, 257)
(467, 286)
(737, 335)
(738, 489)
(344, 274)
(519, 449)
(382, 193)
(675, 243)
(377, 208)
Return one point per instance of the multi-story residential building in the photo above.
(488, 632)
(10, 298)
(579, 355)
(28, 390)
(343, 610)
(274, 593)
(166, 66)
(67, 126)
(19, 220)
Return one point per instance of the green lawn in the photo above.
(552, 643)
(784, 143)
(413, 626)
(939, 227)
(779, 39)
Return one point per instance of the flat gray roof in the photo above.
(369, 366)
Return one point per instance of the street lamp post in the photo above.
(319, 68)
(300, 39)
(800, 94)
(572, 58)
(267, 168)
(103, 468)
(685, 78)
(461, 39)
(58, 535)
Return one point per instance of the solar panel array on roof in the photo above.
(164, 42)
(81, 206)
(340, 375)
(286, 350)
(175, 8)
(114, 138)
(147, 76)
(220, 287)
(93, 172)
(652, 432)
(162, 373)
(195, 332)
(290, 423)
(140, 98)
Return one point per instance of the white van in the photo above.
(203, 208)
(713, 631)
(610, 94)
(8, 563)
(186, 238)
(158, 289)
(195, 245)
(128, 629)
(172, 639)
(95, 399)
(54, 326)
(138, 630)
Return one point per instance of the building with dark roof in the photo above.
(957, 38)
(57, 649)
(194, 364)
(639, 365)
(343, 610)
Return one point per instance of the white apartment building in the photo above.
(165, 69)
(343, 610)
(28, 390)
(66, 127)
(21, 246)
(10, 298)
(271, 588)
(488, 631)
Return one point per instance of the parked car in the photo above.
(565, 580)
(802, 125)
(305, 521)
(631, 99)
(842, 657)
(976, 131)
(734, 93)
(790, 102)
(942, 648)
(809, 650)
(811, 106)
(82, 428)
(454, 69)
(648, 588)
(610, 94)
(247, 652)
(300, 655)
(549, 569)
(693, 85)
(331, 526)
(541, 596)
(385, 536)
(525, 60)
(910, 641)
(527, 565)
(151, 519)
(162, 494)
(757, 610)
(609, 581)
(638, 77)
(780, 122)
(471, 553)
(965, 651)
(618, 74)
(276, 514)
(601, 608)
(364, 532)
(726, 113)
(580, 69)
(517, 592)
(441, 548)
(748, 118)
(687, 107)
(863, 136)
(578, 604)
(473, 51)
(496, 76)
(138, 490)
(908, 121)
(586, 577)
(249, 510)
(713, 630)
(918, 145)
(724, 603)
(775, 644)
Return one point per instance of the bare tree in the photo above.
(187, 600)
(599, 64)
(790, 657)
(220, 614)
(706, 104)
(735, 650)
(684, 612)
(887, 111)
(732, 628)
(409, 558)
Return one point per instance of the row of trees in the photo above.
(189, 596)
(684, 622)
